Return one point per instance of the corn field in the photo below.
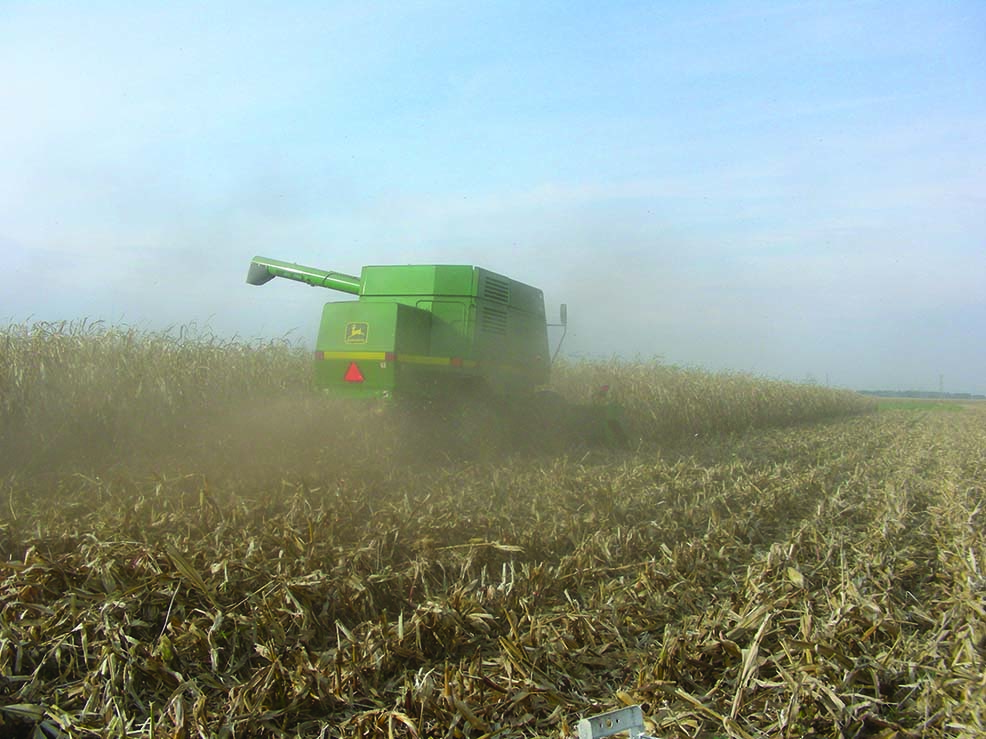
(192, 544)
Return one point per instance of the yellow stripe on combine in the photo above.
(369, 356)
(408, 358)
(422, 359)
(439, 361)
(425, 359)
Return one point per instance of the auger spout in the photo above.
(263, 270)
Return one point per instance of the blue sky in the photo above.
(793, 189)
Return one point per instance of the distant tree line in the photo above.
(922, 394)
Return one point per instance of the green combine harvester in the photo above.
(455, 338)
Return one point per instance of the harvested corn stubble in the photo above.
(275, 574)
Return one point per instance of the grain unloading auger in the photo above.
(451, 335)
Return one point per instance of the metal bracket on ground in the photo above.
(629, 719)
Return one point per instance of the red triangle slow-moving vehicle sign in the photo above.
(353, 374)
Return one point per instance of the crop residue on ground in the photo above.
(195, 546)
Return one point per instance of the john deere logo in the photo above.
(356, 333)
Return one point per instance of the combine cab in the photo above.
(462, 339)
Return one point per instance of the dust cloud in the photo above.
(302, 436)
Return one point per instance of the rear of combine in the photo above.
(460, 338)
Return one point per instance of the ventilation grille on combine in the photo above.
(497, 291)
(494, 320)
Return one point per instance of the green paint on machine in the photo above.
(433, 326)
(439, 333)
